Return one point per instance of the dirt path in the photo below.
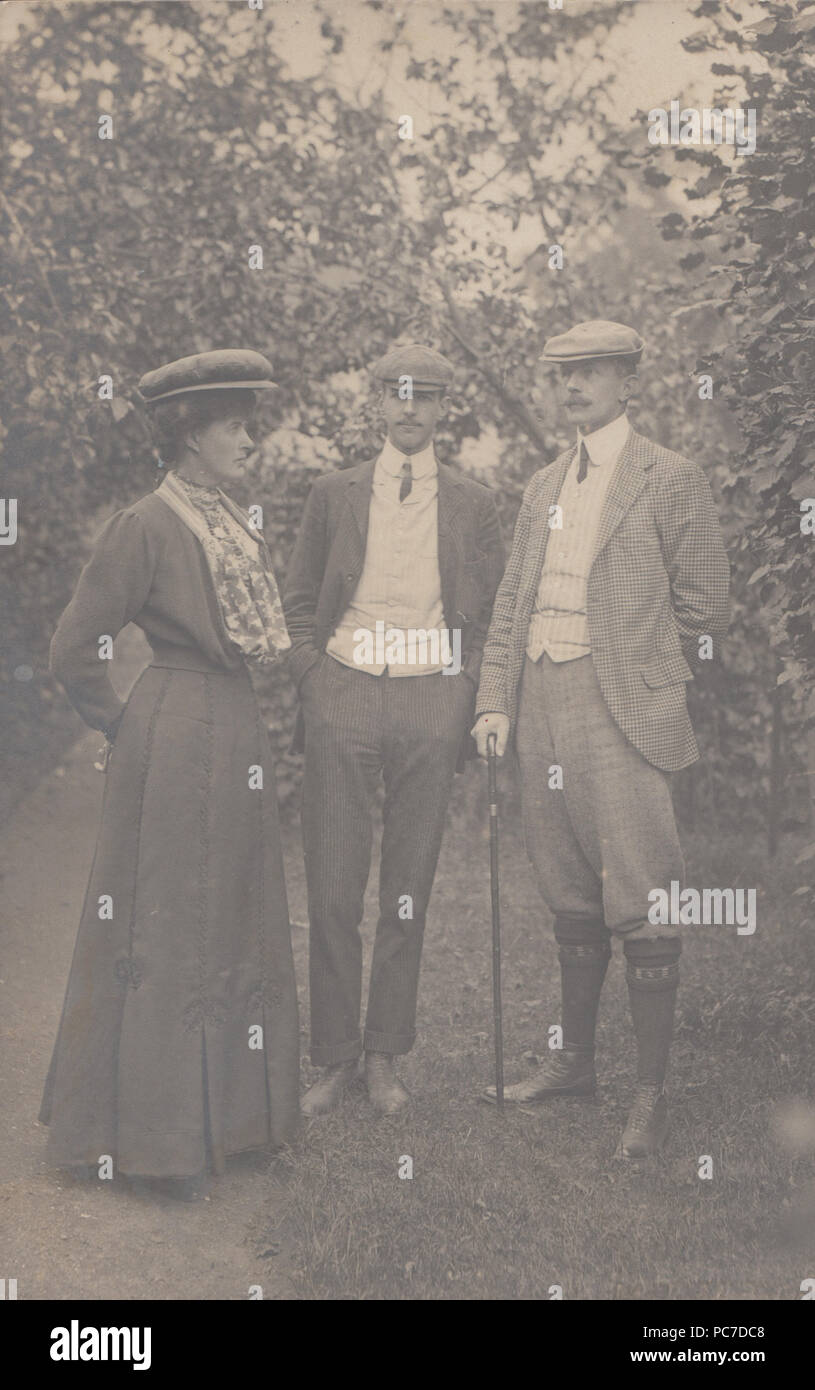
(57, 1239)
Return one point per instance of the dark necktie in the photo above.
(582, 462)
(407, 480)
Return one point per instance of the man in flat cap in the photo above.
(387, 601)
(617, 575)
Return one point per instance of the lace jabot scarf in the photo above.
(244, 582)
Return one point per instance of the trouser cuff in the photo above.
(395, 1044)
(330, 1054)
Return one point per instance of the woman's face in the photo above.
(222, 447)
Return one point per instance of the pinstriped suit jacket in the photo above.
(659, 581)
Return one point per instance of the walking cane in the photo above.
(496, 922)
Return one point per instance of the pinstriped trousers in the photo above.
(408, 729)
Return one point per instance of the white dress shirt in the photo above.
(400, 586)
(559, 625)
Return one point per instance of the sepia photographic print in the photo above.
(407, 727)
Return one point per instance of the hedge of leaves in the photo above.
(126, 252)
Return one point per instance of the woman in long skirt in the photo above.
(179, 1043)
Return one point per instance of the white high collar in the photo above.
(604, 445)
(421, 465)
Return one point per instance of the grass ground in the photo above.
(523, 1206)
(496, 1208)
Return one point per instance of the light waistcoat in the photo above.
(559, 625)
(400, 585)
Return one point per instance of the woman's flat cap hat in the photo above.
(230, 369)
(423, 365)
(595, 338)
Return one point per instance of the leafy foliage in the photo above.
(764, 215)
(122, 253)
(753, 236)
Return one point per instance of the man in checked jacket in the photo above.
(617, 583)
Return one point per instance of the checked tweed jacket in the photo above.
(659, 581)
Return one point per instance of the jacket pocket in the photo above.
(666, 670)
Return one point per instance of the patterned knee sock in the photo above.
(584, 951)
(652, 971)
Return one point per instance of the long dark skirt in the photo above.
(157, 1061)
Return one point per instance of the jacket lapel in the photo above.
(540, 529)
(449, 545)
(626, 486)
(174, 497)
(360, 482)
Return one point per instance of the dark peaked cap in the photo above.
(423, 365)
(595, 338)
(235, 369)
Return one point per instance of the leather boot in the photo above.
(329, 1089)
(569, 1072)
(647, 1125)
(385, 1090)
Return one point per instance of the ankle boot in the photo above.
(568, 1072)
(385, 1090)
(647, 1123)
(328, 1091)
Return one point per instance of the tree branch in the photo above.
(19, 229)
(512, 404)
